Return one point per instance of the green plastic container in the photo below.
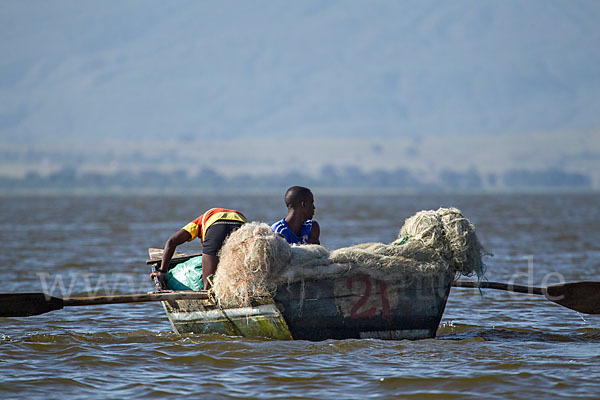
(186, 275)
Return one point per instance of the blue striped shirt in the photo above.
(282, 228)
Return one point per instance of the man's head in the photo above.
(301, 199)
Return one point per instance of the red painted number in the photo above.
(361, 302)
(369, 312)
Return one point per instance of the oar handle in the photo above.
(157, 284)
(135, 298)
(500, 286)
(28, 304)
(175, 259)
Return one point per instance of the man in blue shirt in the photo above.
(298, 227)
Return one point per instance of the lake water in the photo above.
(499, 346)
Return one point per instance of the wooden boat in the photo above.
(355, 305)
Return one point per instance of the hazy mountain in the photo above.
(161, 70)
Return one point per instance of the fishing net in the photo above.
(447, 235)
(250, 256)
(254, 261)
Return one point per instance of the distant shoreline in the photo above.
(276, 191)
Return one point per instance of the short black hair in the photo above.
(295, 195)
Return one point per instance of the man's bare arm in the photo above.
(179, 237)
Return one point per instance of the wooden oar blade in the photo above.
(27, 304)
(583, 297)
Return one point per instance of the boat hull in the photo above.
(357, 306)
(205, 317)
(360, 303)
(362, 306)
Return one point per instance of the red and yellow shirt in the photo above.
(199, 226)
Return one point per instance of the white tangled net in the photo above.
(254, 261)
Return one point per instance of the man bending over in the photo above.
(212, 228)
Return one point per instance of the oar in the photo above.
(157, 283)
(28, 304)
(583, 297)
(177, 258)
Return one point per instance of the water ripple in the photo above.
(490, 345)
